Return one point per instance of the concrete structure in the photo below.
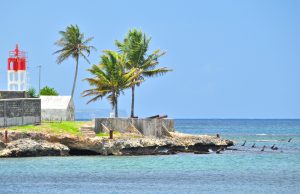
(20, 111)
(57, 108)
(16, 70)
(148, 127)
(12, 94)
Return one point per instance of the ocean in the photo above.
(245, 170)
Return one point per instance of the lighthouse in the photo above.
(16, 70)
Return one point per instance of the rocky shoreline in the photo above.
(28, 144)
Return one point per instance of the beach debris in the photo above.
(244, 143)
(263, 149)
(290, 140)
(253, 146)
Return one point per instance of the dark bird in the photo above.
(274, 148)
(244, 143)
(263, 149)
(253, 146)
(290, 140)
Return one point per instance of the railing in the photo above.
(20, 54)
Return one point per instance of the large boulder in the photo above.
(28, 147)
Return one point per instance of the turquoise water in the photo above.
(247, 170)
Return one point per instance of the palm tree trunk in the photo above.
(75, 78)
(132, 101)
(116, 107)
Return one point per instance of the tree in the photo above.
(135, 47)
(47, 91)
(31, 92)
(110, 78)
(73, 44)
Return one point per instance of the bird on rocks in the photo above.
(244, 143)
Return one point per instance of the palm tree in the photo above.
(135, 47)
(110, 78)
(73, 44)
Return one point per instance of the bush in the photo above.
(47, 91)
(31, 92)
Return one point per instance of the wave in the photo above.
(261, 134)
(267, 140)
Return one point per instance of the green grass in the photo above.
(64, 127)
(106, 134)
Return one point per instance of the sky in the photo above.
(230, 59)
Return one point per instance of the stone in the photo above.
(2, 145)
(28, 147)
(40, 144)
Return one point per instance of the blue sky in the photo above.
(231, 59)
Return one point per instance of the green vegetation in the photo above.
(65, 127)
(73, 44)
(31, 92)
(107, 135)
(110, 78)
(127, 68)
(135, 47)
(47, 91)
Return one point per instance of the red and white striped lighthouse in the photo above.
(16, 70)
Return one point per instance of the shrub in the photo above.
(31, 92)
(47, 91)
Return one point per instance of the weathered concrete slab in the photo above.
(20, 111)
(148, 127)
(12, 94)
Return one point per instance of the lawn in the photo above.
(64, 127)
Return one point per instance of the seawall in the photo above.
(148, 127)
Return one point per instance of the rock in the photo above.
(28, 147)
(38, 144)
(2, 145)
(201, 152)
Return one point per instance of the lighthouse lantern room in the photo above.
(16, 73)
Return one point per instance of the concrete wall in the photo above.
(20, 111)
(12, 94)
(57, 115)
(148, 127)
(57, 108)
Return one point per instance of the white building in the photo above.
(57, 108)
